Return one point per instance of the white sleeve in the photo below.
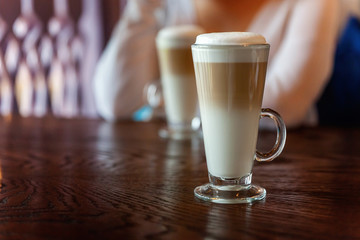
(129, 60)
(299, 71)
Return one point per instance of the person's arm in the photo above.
(300, 69)
(129, 60)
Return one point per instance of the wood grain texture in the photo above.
(87, 179)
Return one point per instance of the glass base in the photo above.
(179, 134)
(230, 190)
(209, 192)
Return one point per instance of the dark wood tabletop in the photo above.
(88, 179)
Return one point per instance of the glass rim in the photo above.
(201, 45)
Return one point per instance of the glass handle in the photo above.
(280, 139)
(153, 94)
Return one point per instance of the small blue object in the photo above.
(143, 114)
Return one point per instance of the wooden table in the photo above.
(87, 179)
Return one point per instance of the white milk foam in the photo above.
(216, 42)
(230, 38)
(178, 36)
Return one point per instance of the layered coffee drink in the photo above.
(230, 74)
(230, 71)
(177, 75)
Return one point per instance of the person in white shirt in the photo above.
(302, 35)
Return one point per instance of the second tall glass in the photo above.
(178, 81)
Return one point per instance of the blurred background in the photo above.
(48, 52)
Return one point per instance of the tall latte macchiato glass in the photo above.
(230, 71)
(178, 81)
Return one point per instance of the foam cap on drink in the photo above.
(178, 36)
(229, 39)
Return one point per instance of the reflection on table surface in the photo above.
(87, 178)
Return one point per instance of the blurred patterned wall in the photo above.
(48, 51)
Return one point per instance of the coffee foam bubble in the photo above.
(229, 47)
(178, 36)
(230, 38)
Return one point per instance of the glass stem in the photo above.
(61, 7)
(27, 7)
